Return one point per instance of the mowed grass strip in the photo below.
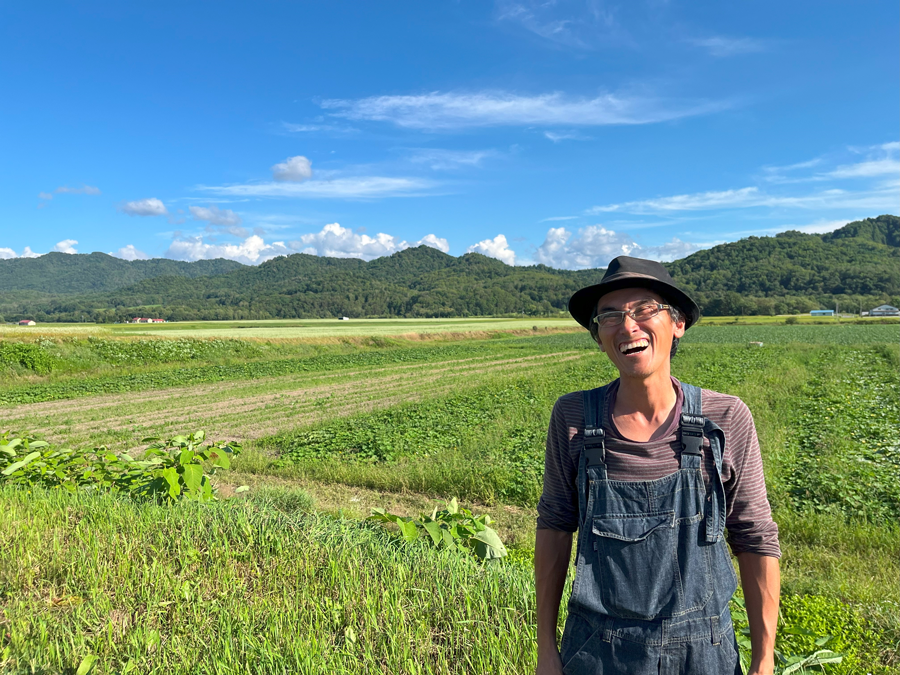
(243, 588)
(250, 409)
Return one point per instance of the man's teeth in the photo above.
(637, 344)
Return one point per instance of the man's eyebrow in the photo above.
(607, 309)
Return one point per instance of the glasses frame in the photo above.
(630, 312)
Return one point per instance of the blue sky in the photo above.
(560, 132)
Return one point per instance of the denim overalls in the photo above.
(653, 576)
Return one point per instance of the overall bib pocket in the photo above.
(635, 559)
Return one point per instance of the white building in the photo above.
(884, 310)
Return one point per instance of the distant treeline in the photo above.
(857, 266)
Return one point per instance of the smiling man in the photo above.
(650, 471)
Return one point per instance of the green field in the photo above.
(286, 576)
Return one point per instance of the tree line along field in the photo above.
(287, 576)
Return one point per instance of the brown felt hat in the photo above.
(625, 272)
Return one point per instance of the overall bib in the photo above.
(653, 575)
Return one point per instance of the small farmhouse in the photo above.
(27, 322)
(822, 312)
(884, 310)
(139, 319)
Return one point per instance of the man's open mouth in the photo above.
(635, 347)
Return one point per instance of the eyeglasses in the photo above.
(639, 313)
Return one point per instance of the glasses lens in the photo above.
(645, 312)
(608, 319)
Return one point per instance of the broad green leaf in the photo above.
(492, 539)
(434, 529)
(449, 541)
(38, 444)
(170, 475)
(408, 530)
(222, 459)
(242, 488)
(185, 457)
(15, 466)
(193, 476)
(453, 506)
(199, 436)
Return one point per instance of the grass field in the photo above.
(287, 577)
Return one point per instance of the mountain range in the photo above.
(790, 272)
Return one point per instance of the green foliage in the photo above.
(30, 356)
(846, 440)
(453, 528)
(168, 471)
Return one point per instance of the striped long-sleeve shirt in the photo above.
(748, 517)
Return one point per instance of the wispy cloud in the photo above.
(83, 190)
(318, 128)
(874, 186)
(556, 218)
(361, 187)
(581, 25)
(882, 198)
(456, 110)
(559, 136)
(722, 46)
(224, 220)
(439, 159)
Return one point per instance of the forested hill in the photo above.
(791, 272)
(755, 274)
(64, 273)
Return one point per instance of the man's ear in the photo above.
(679, 329)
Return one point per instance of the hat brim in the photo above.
(583, 302)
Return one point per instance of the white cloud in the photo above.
(594, 246)
(293, 169)
(45, 195)
(8, 253)
(65, 246)
(83, 190)
(224, 220)
(332, 241)
(144, 207)
(497, 248)
(438, 159)
(438, 110)
(129, 252)
(340, 242)
(362, 187)
(434, 241)
(557, 218)
(251, 251)
(726, 46)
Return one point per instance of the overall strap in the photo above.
(691, 427)
(594, 402)
(594, 447)
(694, 426)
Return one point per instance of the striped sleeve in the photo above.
(749, 516)
(558, 506)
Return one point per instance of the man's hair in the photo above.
(675, 313)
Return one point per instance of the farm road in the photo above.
(253, 409)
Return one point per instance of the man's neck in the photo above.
(644, 405)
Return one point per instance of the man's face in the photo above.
(637, 349)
